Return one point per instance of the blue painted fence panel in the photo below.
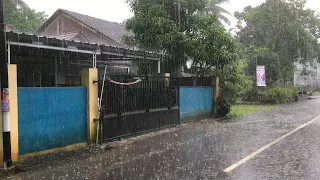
(196, 103)
(51, 118)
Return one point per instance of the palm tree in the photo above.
(214, 7)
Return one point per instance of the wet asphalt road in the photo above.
(201, 150)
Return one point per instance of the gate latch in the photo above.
(96, 120)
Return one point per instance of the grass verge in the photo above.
(242, 110)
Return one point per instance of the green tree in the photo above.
(159, 24)
(287, 32)
(235, 84)
(174, 27)
(20, 17)
(209, 45)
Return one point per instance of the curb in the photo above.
(313, 97)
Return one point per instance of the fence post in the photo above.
(13, 96)
(88, 78)
(167, 76)
(216, 87)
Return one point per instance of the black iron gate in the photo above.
(132, 106)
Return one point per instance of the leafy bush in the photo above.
(233, 84)
(280, 95)
(252, 95)
(224, 107)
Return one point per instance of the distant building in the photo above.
(307, 75)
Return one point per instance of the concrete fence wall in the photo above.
(45, 120)
(196, 103)
(51, 118)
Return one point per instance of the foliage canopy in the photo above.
(176, 27)
(279, 34)
(20, 17)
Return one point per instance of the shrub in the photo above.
(251, 96)
(224, 108)
(279, 95)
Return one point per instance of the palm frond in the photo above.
(218, 1)
(224, 19)
(213, 3)
(217, 10)
(214, 8)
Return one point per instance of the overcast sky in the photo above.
(117, 10)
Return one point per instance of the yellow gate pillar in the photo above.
(88, 78)
(13, 96)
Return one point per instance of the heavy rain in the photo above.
(160, 89)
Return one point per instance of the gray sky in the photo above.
(117, 10)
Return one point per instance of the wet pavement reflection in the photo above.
(201, 150)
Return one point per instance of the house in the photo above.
(73, 26)
(68, 25)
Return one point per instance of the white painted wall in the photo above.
(312, 79)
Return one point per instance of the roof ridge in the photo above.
(68, 11)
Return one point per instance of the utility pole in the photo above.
(4, 90)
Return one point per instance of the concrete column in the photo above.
(13, 96)
(88, 76)
(216, 87)
(12, 85)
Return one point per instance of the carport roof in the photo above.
(66, 45)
